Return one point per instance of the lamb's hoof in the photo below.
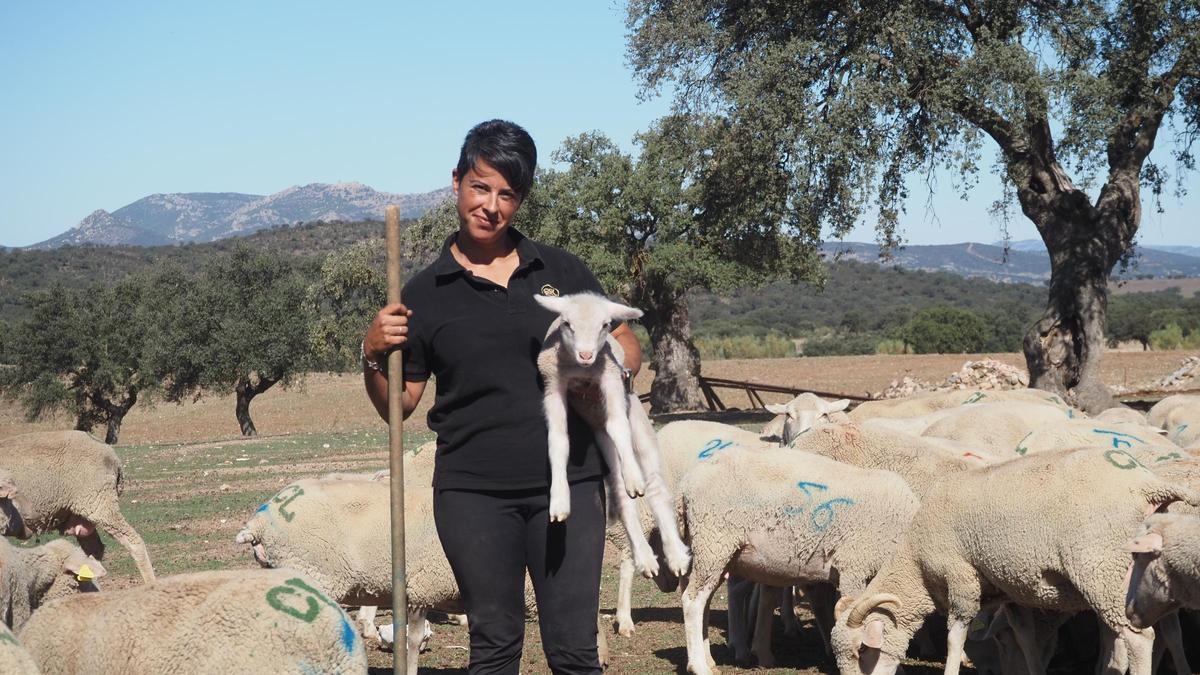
(559, 516)
(560, 507)
(708, 670)
(624, 630)
(635, 483)
(679, 562)
(649, 570)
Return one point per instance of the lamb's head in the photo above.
(1165, 541)
(803, 412)
(584, 322)
(13, 509)
(866, 638)
(78, 570)
(252, 534)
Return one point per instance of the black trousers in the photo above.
(491, 538)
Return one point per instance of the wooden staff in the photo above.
(396, 452)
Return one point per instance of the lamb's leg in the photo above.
(740, 595)
(694, 599)
(625, 595)
(602, 641)
(1021, 622)
(955, 640)
(821, 600)
(643, 556)
(787, 612)
(111, 520)
(1114, 655)
(1140, 645)
(616, 425)
(366, 622)
(554, 404)
(658, 495)
(1172, 636)
(768, 599)
(415, 636)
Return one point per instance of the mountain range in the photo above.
(206, 216)
(1022, 263)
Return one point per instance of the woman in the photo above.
(470, 321)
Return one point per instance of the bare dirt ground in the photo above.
(192, 481)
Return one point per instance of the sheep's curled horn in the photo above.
(863, 607)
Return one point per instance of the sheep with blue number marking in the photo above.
(578, 349)
(275, 621)
(1146, 443)
(1179, 416)
(997, 427)
(925, 403)
(780, 517)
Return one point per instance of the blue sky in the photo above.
(106, 103)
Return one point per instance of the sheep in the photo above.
(73, 483)
(1165, 575)
(12, 505)
(922, 462)
(330, 530)
(1122, 414)
(275, 621)
(1157, 416)
(29, 575)
(1144, 442)
(997, 427)
(1042, 531)
(781, 517)
(921, 404)
(579, 349)
(1181, 420)
(14, 659)
(799, 415)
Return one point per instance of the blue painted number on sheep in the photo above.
(713, 446)
(823, 514)
(1118, 438)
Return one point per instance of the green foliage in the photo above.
(245, 323)
(841, 345)
(946, 330)
(893, 346)
(1138, 316)
(82, 353)
(771, 346)
(351, 289)
(1172, 336)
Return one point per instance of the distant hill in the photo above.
(1038, 245)
(207, 216)
(1016, 266)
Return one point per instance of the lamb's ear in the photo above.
(621, 312)
(835, 406)
(1150, 542)
(84, 567)
(777, 408)
(555, 304)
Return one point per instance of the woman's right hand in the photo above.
(388, 330)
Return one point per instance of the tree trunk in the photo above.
(246, 391)
(676, 360)
(112, 414)
(1064, 347)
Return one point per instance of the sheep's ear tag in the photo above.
(550, 291)
(85, 573)
(1151, 542)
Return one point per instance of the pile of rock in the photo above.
(1186, 377)
(982, 374)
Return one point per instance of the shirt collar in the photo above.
(527, 253)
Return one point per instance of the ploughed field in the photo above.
(191, 483)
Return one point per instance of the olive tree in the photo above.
(851, 98)
(82, 352)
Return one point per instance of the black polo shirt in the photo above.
(480, 342)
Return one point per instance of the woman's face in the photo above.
(486, 203)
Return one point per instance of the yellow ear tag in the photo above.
(85, 573)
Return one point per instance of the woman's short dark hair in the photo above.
(504, 145)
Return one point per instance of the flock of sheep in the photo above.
(1005, 511)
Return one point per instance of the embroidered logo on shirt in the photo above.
(550, 291)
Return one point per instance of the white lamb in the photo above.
(31, 576)
(799, 415)
(1041, 531)
(578, 349)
